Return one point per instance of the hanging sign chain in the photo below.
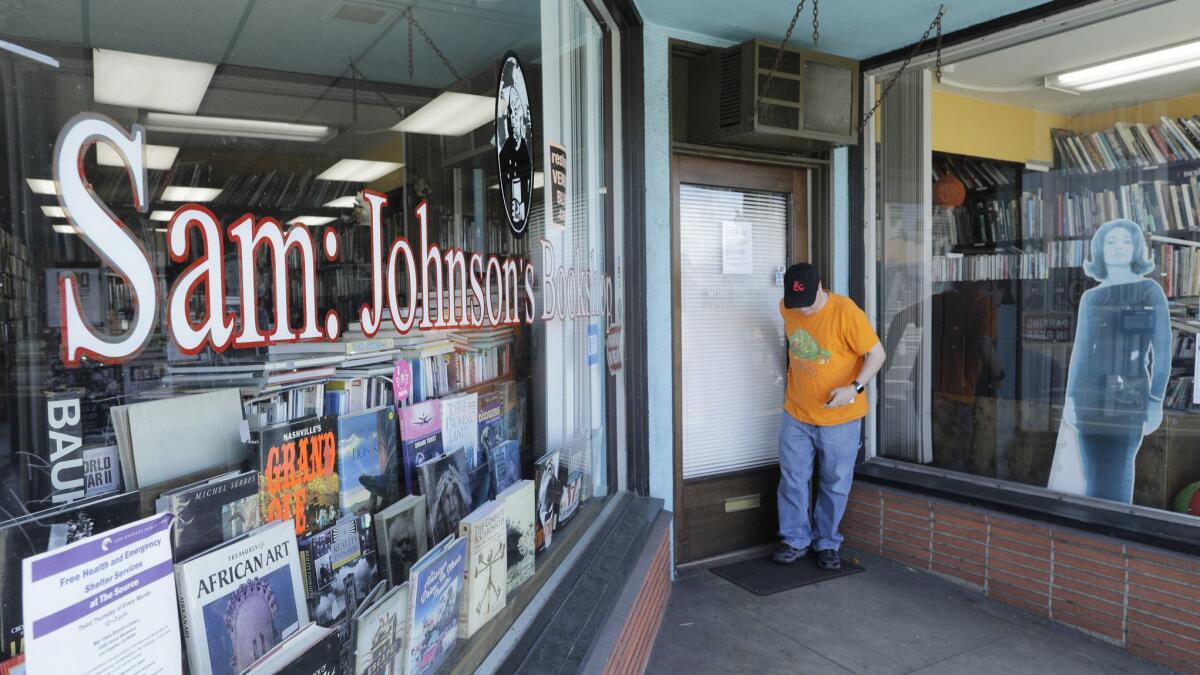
(816, 26)
(412, 21)
(936, 24)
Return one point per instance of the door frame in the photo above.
(794, 177)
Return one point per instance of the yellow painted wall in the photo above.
(1149, 112)
(969, 126)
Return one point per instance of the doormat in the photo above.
(763, 576)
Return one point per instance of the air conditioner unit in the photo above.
(811, 102)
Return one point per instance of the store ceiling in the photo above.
(1014, 76)
(853, 28)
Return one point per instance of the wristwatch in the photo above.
(858, 386)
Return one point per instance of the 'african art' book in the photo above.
(211, 511)
(297, 473)
(380, 632)
(436, 582)
(367, 464)
(485, 585)
(241, 599)
(446, 485)
(400, 530)
(519, 518)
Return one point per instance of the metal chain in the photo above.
(936, 24)
(410, 47)
(816, 26)
(354, 92)
(412, 21)
(778, 59)
(358, 74)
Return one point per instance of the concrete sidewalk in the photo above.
(889, 619)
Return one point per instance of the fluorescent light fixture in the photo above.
(179, 193)
(1129, 69)
(539, 182)
(158, 157)
(164, 216)
(346, 202)
(154, 82)
(64, 228)
(235, 126)
(41, 186)
(358, 170)
(54, 211)
(450, 114)
(311, 221)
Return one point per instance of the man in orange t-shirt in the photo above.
(832, 353)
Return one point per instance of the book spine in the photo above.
(196, 649)
(464, 597)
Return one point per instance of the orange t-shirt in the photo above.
(825, 351)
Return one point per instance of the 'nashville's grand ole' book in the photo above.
(241, 599)
(297, 473)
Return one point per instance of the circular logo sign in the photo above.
(514, 144)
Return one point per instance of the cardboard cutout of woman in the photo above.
(1119, 367)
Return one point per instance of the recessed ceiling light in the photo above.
(158, 157)
(54, 211)
(41, 186)
(153, 82)
(311, 221)
(450, 114)
(163, 216)
(358, 170)
(65, 228)
(234, 126)
(346, 202)
(179, 193)
(1128, 69)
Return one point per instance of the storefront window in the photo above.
(1036, 228)
(348, 263)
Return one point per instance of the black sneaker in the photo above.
(829, 560)
(787, 554)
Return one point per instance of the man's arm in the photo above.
(872, 362)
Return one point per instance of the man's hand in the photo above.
(841, 396)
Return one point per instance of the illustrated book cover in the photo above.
(367, 464)
(436, 582)
(380, 633)
(519, 520)
(401, 533)
(445, 483)
(211, 511)
(485, 585)
(505, 462)
(420, 438)
(549, 495)
(313, 650)
(340, 569)
(491, 422)
(239, 600)
(297, 473)
(460, 421)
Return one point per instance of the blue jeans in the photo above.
(837, 447)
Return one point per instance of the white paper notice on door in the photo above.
(737, 247)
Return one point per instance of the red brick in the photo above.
(1062, 548)
(1019, 525)
(1170, 638)
(950, 539)
(1088, 623)
(862, 491)
(1183, 576)
(1166, 558)
(1176, 615)
(1031, 597)
(975, 520)
(1185, 589)
(1088, 540)
(855, 520)
(1019, 558)
(976, 578)
(1064, 560)
(864, 510)
(1105, 589)
(1032, 539)
(1164, 655)
(906, 555)
(906, 519)
(952, 530)
(1005, 567)
(1032, 551)
(1190, 605)
(965, 566)
(953, 556)
(1028, 585)
(1157, 621)
(906, 534)
(1061, 596)
(897, 498)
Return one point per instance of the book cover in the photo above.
(420, 438)
(46, 531)
(240, 600)
(505, 462)
(380, 633)
(297, 473)
(519, 520)
(437, 580)
(483, 488)
(401, 533)
(571, 492)
(549, 494)
(446, 486)
(313, 650)
(485, 585)
(491, 421)
(340, 569)
(367, 466)
(176, 437)
(212, 511)
(460, 419)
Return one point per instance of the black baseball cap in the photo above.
(800, 285)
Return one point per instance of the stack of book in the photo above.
(1128, 146)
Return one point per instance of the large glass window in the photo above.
(224, 226)
(1037, 231)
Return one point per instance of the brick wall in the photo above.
(1144, 599)
(632, 648)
